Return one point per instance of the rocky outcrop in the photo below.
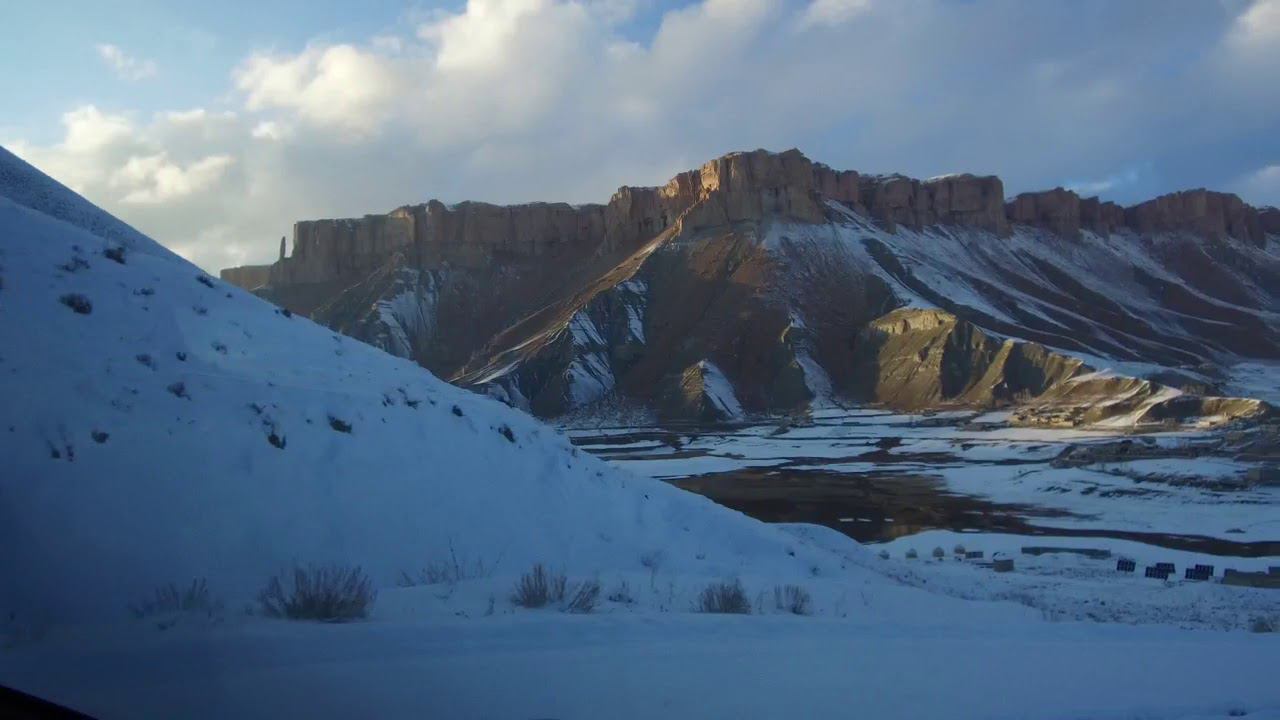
(1101, 217)
(326, 250)
(965, 200)
(1201, 212)
(921, 358)
(700, 393)
(1065, 213)
(249, 277)
(1105, 399)
(1269, 219)
(916, 359)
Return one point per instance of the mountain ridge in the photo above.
(552, 307)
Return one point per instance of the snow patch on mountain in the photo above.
(719, 391)
(408, 314)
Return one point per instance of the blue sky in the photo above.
(214, 126)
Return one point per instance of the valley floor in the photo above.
(877, 475)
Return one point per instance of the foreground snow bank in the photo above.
(662, 666)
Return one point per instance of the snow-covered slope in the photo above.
(25, 185)
(159, 425)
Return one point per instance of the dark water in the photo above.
(873, 508)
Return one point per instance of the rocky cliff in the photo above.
(249, 277)
(766, 283)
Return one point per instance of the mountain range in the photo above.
(768, 284)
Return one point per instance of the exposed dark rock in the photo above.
(77, 302)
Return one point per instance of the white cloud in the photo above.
(1095, 187)
(270, 130)
(125, 65)
(1261, 187)
(154, 179)
(339, 86)
(832, 13)
(1259, 25)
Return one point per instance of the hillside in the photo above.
(780, 282)
(160, 425)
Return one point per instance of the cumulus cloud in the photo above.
(832, 12)
(1106, 184)
(518, 100)
(155, 178)
(125, 65)
(1261, 187)
(340, 86)
(1259, 25)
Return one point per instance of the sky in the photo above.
(213, 127)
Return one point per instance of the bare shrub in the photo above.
(622, 594)
(449, 571)
(653, 561)
(792, 598)
(723, 597)
(538, 587)
(1264, 625)
(170, 600)
(328, 593)
(584, 597)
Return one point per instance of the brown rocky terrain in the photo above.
(765, 282)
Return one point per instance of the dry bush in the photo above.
(538, 587)
(793, 599)
(169, 599)
(584, 598)
(622, 594)
(1264, 625)
(449, 572)
(722, 597)
(328, 593)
